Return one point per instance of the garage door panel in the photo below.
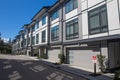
(53, 54)
(82, 57)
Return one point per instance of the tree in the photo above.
(5, 47)
(1, 45)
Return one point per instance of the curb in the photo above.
(60, 67)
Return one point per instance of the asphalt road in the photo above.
(14, 67)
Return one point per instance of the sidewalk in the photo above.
(76, 70)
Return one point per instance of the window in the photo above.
(25, 41)
(37, 38)
(98, 20)
(37, 25)
(33, 40)
(44, 20)
(28, 41)
(43, 36)
(33, 28)
(55, 33)
(72, 29)
(28, 30)
(55, 15)
(21, 43)
(71, 5)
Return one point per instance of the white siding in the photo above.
(98, 35)
(54, 21)
(83, 5)
(72, 13)
(113, 21)
(55, 24)
(85, 25)
(93, 2)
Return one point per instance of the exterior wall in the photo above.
(40, 29)
(103, 46)
(56, 22)
(114, 24)
(113, 21)
(114, 53)
(76, 54)
(71, 16)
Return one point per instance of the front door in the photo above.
(114, 54)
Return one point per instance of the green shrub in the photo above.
(62, 58)
(117, 75)
(101, 60)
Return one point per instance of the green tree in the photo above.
(1, 45)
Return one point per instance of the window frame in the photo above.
(100, 27)
(33, 29)
(71, 25)
(72, 4)
(44, 20)
(55, 15)
(37, 38)
(28, 41)
(43, 36)
(33, 40)
(37, 25)
(55, 33)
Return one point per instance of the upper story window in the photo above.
(37, 25)
(98, 22)
(37, 38)
(33, 28)
(72, 29)
(28, 30)
(33, 40)
(28, 41)
(43, 36)
(55, 15)
(22, 36)
(44, 20)
(55, 33)
(24, 42)
(71, 5)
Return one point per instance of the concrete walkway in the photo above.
(76, 70)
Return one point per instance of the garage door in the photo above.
(53, 54)
(82, 57)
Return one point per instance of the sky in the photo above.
(15, 13)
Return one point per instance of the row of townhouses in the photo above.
(79, 29)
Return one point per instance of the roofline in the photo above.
(40, 11)
(58, 2)
(24, 26)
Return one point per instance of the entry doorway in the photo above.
(114, 54)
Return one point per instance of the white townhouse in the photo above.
(16, 45)
(55, 31)
(40, 31)
(79, 29)
(27, 39)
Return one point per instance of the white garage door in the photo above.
(53, 54)
(82, 57)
